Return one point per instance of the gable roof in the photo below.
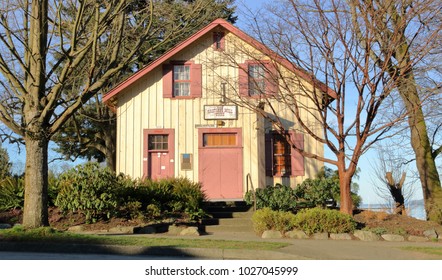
(212, 26)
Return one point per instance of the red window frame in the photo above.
(296, 163)
(195, 80)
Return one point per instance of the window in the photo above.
(218, 41)
(182, 80)
(281, 158)
(257, 79)
(158, 142)
(219, 139)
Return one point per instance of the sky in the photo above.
(17, 156)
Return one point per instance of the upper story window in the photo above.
(218, 41)
(257, 79)
(182, 79)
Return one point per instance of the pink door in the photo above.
(159, 165)
(220, 161)
(158, 153)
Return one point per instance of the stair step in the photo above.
(227, 222)
(226, 228)
(220, 215)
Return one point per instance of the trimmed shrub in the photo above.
(323, 220)
(268, 219)
(279, 197)
(90, 189)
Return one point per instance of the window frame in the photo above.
(271, 79)
(195, 76)
(297, 167)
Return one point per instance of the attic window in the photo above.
(218, 41)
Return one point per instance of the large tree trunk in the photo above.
(425, 163)
(35, 212)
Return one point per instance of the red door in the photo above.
(220, 164)
(158, 153)
(159, 165)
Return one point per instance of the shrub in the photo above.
(279, 197)
(89, 189)
(318, 191)
(268, 219)
(323, 220)
(11, 193)
(188, 198)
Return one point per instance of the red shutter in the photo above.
(196, 85)
(269, 154)
(243, 79)
(297, 158)
(167, 80)
(271, 79)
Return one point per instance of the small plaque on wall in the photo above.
(220, 112)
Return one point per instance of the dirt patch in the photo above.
(61, 221)
(395, 224)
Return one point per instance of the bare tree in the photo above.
(391, 173)
(410, 32)
(349, 102)
(46, 46)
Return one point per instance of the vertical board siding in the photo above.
(143, 106)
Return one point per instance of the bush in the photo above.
(171, 195)
(268, 219)
(12, 192)
(323, 220)
(89, 189)
(279, 197)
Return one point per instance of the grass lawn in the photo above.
(427, 250)
(49, 235)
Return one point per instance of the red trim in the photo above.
(229, 27)
(271, 81)
(171, 150)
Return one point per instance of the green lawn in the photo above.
(427, 250)
(49, 235)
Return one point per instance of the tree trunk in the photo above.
(346, 203)
(425, 163)
(109, 147)
(35, 212)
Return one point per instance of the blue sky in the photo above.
(243, 6)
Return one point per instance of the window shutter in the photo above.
(196, 85)
(167, 81)
(271, 79)
(269, 154)
(243, 79)
(297, 158)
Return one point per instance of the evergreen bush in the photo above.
(323, 220)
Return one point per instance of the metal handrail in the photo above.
(249, 178)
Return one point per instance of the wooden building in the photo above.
(193, 113)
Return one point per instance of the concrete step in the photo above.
(225, 214)
(227, 221)
(228, 228)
